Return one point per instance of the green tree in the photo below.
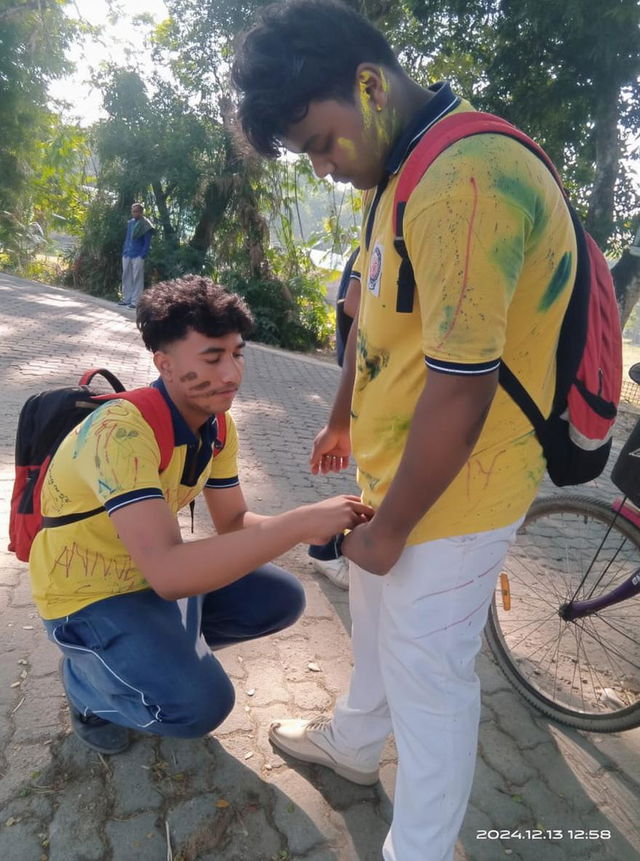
(39, 156)
(33, 39)
(212, 208)
(567, 73)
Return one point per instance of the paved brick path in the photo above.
(230, 797)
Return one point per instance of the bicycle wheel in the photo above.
(584, 673)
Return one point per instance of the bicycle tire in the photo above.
(585, 674)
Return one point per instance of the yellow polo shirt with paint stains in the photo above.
(493, 252)
(112, 459)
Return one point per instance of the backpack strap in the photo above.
(155, 411)
(444, 134)
(221, 433)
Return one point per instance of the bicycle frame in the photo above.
(578, 609)
(573, 610)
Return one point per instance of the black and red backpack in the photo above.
(45, 420)
(576, 437)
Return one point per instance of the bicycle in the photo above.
(564, 623)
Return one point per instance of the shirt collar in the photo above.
(441, 103)
(182, 433)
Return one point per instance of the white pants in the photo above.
(416, 634)
(132, 279)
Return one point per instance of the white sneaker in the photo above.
(309, 741)
(335, 570)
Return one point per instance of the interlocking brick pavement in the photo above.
(231, 797)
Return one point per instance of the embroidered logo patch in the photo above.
(375, 270)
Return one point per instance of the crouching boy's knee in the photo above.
(206, 711)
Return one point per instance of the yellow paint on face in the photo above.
(365, 106)
(383, 129)
(348, 147)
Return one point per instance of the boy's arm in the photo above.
(228, 509)
(332, 446)
(177, 569)
(352, 298)
(447, 422)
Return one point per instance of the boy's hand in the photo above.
(371, 551)
(330, 451)
(332, 516)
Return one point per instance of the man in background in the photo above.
(134, 251)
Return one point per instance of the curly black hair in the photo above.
(298, 52)
(170, 309)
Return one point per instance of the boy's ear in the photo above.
(163, 363)
(372, 84)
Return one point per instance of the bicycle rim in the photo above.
(584, 673)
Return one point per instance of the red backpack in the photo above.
(576, 437)
(46, 419)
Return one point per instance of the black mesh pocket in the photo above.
(626, 472)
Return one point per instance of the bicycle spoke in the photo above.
(588, 669)
(616, 672)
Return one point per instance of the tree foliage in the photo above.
(211, 198)
(567, 73)
(33, 40)
(42, 160)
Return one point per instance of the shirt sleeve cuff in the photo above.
(463, 368)
(217, 483)
(140, 495)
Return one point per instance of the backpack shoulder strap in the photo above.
(155, 411)
(444, 133)
(221, 433)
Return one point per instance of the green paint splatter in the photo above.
(370, 364)
(371, 480)
(528, 200)
(558, 282)
(83, 432)
(447, 319)
(508, 255)
(394, 431)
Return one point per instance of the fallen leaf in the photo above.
(222, 804)
(313, 667)
(248, 755)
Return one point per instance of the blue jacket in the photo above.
(138, 247)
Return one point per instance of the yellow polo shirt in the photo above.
(493, 251)
(112, 459)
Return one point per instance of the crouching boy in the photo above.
(134, 609)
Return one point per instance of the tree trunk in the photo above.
(216, 199)
(626, 279)
(163, 211)
(599, 221)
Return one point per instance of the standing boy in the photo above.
(447, 460)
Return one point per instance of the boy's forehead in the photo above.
(199, 343)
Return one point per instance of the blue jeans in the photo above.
(146, 663)
(326, 552)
